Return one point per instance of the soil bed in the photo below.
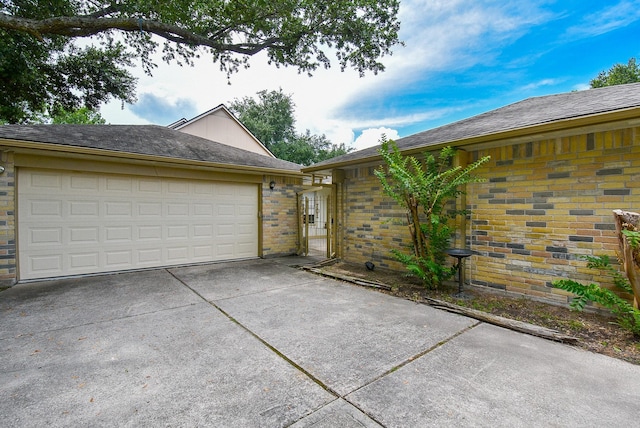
(595, 332)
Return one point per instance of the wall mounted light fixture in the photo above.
(1, 169)
(272, 185)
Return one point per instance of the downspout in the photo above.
(338, 220)
(461, 160)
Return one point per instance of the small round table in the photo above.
(460, 254)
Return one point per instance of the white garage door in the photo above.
(76, 223)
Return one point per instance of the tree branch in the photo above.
(84, 26)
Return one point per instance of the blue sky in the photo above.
(461, 58)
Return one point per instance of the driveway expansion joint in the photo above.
(261, 340)
(413, 358)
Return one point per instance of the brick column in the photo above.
(7, 221)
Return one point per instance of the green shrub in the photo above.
(628, 316)
(425, 188)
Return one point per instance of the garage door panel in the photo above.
(118, 234)
(149, 209)
(224, 250)
(202, 252)
(118, 209)
(204, 189)
(205, 210)
(149, 257)
(84, 235)
(226, 210)
(44, 208)
(178, 232)
(83, 209)
(177, 188)
(150, 233)
(118, 185)
(84, 183)
(84, 261)
(178, 209)
(226, 230)
(178, 255)
(149, 187)
(45, 264)
(118, 259)
(73, 223)
(45, 236)
(44, 180)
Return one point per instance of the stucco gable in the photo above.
(220, 124)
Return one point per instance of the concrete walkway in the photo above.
(262, 344)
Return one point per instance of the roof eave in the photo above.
(529, 131)
(223, 167)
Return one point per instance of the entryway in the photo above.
(316, 222)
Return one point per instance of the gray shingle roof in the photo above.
(144, 140)
(530, 112)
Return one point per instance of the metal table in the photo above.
(460, 254)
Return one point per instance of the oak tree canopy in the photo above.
(47, 62)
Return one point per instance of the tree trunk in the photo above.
(629, 257)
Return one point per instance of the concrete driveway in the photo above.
(262, 344)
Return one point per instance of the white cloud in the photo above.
(607, 19)
(456, 34)
(540, 83)
(439, 35)
(372, 136)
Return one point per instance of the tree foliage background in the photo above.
(67, 54)
(619, 74)
(271, 119)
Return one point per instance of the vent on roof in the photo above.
(177, 123)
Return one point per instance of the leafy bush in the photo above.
(425, 188)
(628, 316)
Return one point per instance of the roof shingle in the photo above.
(149, 140)
(523, 114)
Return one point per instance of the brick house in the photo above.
(85, 199)
(559, 165)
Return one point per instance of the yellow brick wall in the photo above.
(7, 221)
(544, 204)
(372, 224)
(279, 216)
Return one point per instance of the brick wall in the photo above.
(544, 204)
(371, 223)
(7, 221)
(280, 216)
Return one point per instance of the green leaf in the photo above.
(42, 67)
(426, 188)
